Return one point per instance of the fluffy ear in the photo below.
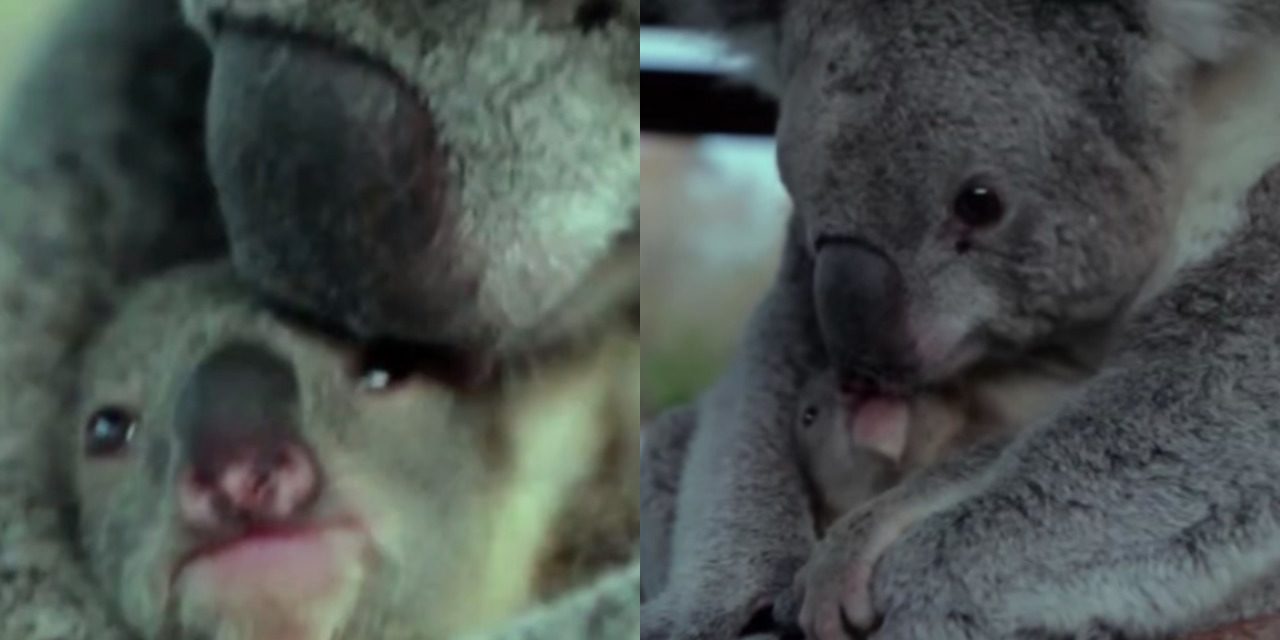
(751, 27)
(1212, 31)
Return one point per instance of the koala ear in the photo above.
(1212, 31)
(751, 27)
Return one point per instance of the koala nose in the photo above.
(255, 485)
(243, 457)
(860, 301)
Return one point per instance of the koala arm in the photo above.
(1147, 503)
(743, 521)
(101, 182)
(664, 444)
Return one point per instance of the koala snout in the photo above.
(270, 483)
(333, 182)
(860, 301)
(243, 458)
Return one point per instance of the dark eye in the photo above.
(809, 416)
(978, 205)
(109, 431)
(383, 367)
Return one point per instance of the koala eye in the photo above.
(978, 205)
(809, 416)
(382, 367)
(109, 431)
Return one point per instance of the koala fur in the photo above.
(489, 474)
(111, 149)
(1130, 147)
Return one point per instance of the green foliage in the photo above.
(675, 372)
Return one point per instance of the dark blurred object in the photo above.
(1259, 629)
(689, 89)
(693, 103)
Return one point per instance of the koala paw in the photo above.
(831, 596)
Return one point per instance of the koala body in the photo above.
(980, 182)
(239, 477)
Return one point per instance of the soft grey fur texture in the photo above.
(492, 474)
(662, 457)
(606, 610)
(1124, 138)
(538, 112)
(103, 182)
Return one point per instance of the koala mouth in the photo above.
(292, 567)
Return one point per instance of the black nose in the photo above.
(860, 300)
(240, 397)
(333, 183)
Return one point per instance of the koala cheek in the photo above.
(945, 324)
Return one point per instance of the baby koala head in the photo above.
(852, 450)
(241, 478)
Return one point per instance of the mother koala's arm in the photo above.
(743, 522)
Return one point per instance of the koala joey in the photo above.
(854, 450)
(982, 181)
(240, 477)
(847, 462)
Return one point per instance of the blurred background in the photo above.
(22, 22)
(712, 210)
(711, 213)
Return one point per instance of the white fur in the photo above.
(1232, 137)
(1201, 28)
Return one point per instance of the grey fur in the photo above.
(476, 458)
(103, 183)
(662, 458)
(1126, 139)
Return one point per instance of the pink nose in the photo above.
(252, 486)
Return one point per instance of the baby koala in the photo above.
(241, 478)
(850, 454)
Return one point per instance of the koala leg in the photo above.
(101, 183)
(664, 447)
(743, 520)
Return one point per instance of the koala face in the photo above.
(977, 176)
(982, 178)
(444, 171)
(241, 478)
(844, 470)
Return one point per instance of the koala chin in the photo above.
(240, 477)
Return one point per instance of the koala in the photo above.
(236, 476)
(849, 456)
(460, 175)
(852, 452)
(980, 182)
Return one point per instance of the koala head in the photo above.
(241, 478)
(984, 178)
(447, 171)
(845, 465)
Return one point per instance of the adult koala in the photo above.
(980, 181)
(457, 174)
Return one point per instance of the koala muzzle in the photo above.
(243, 459)
(333, 184)
(860, 300)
